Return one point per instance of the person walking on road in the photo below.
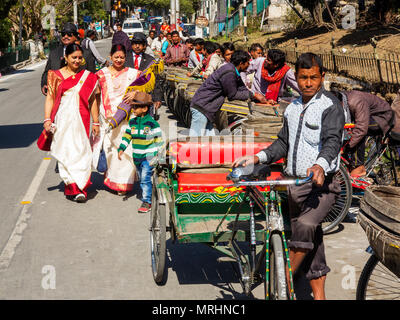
(113, 81)
(71, 101)
(140, 60)
(69, 35)
(88, 44)
(310, 140)
(145, 136)
(120, 37)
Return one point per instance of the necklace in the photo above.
(70, 72)
(116, 85)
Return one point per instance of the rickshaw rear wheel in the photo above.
(342, 205)
(377, 282)
(158, 238)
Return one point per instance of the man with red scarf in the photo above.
(271, 76)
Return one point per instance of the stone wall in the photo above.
(276, 12)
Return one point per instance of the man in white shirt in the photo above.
(157, 43)
(151, 37)
(196, 55)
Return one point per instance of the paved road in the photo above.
(100, 249)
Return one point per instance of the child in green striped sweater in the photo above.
(146, 137)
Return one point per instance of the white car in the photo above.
(130, 26)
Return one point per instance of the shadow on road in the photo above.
(19, 135)
(4, 89)
(196, 263)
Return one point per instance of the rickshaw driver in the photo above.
(310, 140)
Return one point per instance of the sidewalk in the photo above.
(20, 65)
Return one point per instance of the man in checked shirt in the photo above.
(310, 140)
(177, 53)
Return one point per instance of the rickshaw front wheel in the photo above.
(158, 238)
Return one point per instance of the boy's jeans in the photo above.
(145, 172)
(200, 125)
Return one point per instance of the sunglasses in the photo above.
(69, 34)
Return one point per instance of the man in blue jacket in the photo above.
(223, 83)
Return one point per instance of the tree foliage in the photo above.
(186, 6)
(5, 24)
(32, 13)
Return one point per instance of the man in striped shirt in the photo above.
(177, 54)
(145, 134)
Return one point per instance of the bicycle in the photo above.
(342, 205)
(275, 249)
(382, 157)
(377, 282)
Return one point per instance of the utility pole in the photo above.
(75, 12)
(178, 13)
(227, 18)
(21, 10)
(245, 19)
(173, 12)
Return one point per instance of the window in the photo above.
(132, 25)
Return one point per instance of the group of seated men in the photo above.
(265, 78)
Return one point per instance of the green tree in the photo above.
(93, 8)
(186, 6)
(5, 23)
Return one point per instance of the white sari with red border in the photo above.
(121, 174)
(71, 145)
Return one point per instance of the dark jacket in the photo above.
(223, 83)
(364, 108)
(55, 62)
(144, 64)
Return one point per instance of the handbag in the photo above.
(102, 164)
(44, 140)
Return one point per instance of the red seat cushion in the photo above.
(211, 182)
(195, 152)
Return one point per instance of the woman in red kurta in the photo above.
(72, 97)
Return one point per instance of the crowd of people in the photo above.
(80, 103)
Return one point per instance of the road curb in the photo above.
(18, 66)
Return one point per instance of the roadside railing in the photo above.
(11, 56)
(372, 68)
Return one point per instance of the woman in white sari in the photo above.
(113, 80)
(70, 101)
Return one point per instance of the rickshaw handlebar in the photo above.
(264, 183)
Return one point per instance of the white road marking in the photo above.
(8, 252)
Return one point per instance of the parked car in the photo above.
(189, 29)
(145, 25)
(130, 26)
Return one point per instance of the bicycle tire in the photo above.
(385, 171)
(158, 243)
(277, 269)
(367, 279)
(342, 205)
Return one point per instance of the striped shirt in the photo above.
(146, 137)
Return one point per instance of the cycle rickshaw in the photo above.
(199, 199)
